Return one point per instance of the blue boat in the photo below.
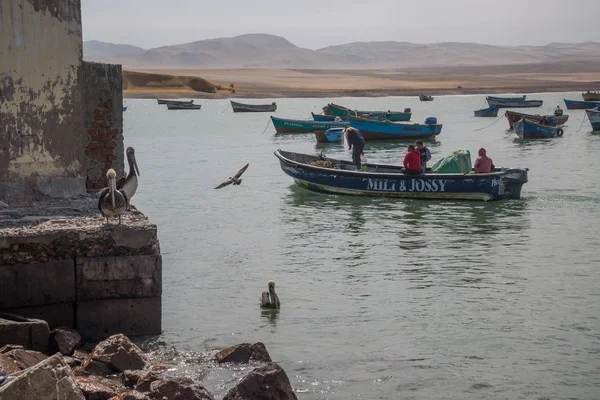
(527, 129)
(594, 117)
(487, 112)
(329, 175)
(332, 135)
(385, 130)
(124, 108)
(581, 105)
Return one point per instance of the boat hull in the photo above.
(526, 129)
(380, 130)
(240, 107)
(518, 98)
(581, 105)
(425, 98)
(283, 125)
(514, 117)
(172, 106)
(591, 96)
(343, 112)
(487, 112)
(594, 117)
(514, 103)
(335, 135)
(163, 101)
(505, 183)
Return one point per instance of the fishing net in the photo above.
(324, 164)
(459, 162)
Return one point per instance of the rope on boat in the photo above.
(480, 129)
(584, 118)
(228, 104)
(266, 127)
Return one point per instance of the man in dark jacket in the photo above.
(355, 140)
(425, 154)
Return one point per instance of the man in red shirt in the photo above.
(412, 161)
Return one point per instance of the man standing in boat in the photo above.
(425, 154)
(356, 143)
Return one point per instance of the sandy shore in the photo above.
(272, 83)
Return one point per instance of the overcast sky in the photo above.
(314, 24)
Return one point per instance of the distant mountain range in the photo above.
(269, 51)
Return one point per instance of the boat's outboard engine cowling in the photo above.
(431, 121)
(513, 181)
(407, 110)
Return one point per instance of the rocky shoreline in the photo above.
(117, 369)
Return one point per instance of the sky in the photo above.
(315, 24)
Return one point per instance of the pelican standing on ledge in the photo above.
(269, 299)
(112, 202)
(129, 183)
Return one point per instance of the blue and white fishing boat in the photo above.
(385, 130)
(594, 117)
(332, 135)
(518, 98)
(581, 105)
(487, 112)
(527, 129)
(389, 180)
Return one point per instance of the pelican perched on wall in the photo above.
(269, 299)
(112, 202)
(129, 183)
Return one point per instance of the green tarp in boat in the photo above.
(459, 162)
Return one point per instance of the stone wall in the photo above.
(103, 122)
(41, 124)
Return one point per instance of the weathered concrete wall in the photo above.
(103, 122)
(41, 124)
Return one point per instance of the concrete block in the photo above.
(28, 332)
(54, 314)
(37, 283)
(99, 319)
(63, 187)
(118, 277)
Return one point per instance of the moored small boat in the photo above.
(385, 130)
(513, 117)
(172, 106)
(487, 112)
(518, 98)
(519, 103)
(581, 105)
(591, 96)
(241, 107)
(124, 108)
(163, 101)
(527, 129)
(284, 125)
(336, 110)
(341, 177)
(594, 117)
(331, 135)
(425, 98)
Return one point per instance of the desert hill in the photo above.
(139, 83)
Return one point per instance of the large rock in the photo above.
(64, 340)
(269, 382)
(51, 379)
(26, 358)
(143, 384)
(28, 332)
(244, 353)
(132, 395)
(115, 354)
(8, 365)
(93, 389)
(178, 389)
(132, 377)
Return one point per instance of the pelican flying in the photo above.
(112, 202)
(234, 179)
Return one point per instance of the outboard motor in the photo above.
(407, 110)
(513, 180)
(431, 121)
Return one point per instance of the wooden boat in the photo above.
(163, 101)
(172, 106)
(284, 125)
(495, 98)
(336, 110)
(124, 108)
(384, 130)
(425, 98)
(519, 103)
(591, 96)
(581, 105)
(487, 112)
(594, 117)
(389, 180)
(527, 129)
(240, 107)
(331, 135)
(324, 118)
(514, 117)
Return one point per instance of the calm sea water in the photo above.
(381, 298)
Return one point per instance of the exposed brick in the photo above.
(110, 145)
(101, 131)
(89, 185)
(92, 131)
(112, 131)
(96, 152)
(108, 164)
(97, 124)
(107, 137)
(111, 158)
(107, 151)
(97, 111)
(87, 152)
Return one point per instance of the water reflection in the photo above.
(270, 316)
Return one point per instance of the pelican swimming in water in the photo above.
(269, 299)
(129, 183)
(112, 202)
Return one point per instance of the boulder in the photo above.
(8, 347)
(8, 365)
(268, 382)
(115, 354)
(26, 358)
(132, 395)
(178, 389)
(132, 377)
(143, 384)
(244, 353)
(64, 340)
(94, 390)
(49, 380)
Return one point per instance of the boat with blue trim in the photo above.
(331, 135)
(527, 129)
(336, 110)
(385, 130)
(594, 117)
(285, 125)
(581, 105)
(330, 175)
(487, 112)
(518, 98)
(514, 117)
